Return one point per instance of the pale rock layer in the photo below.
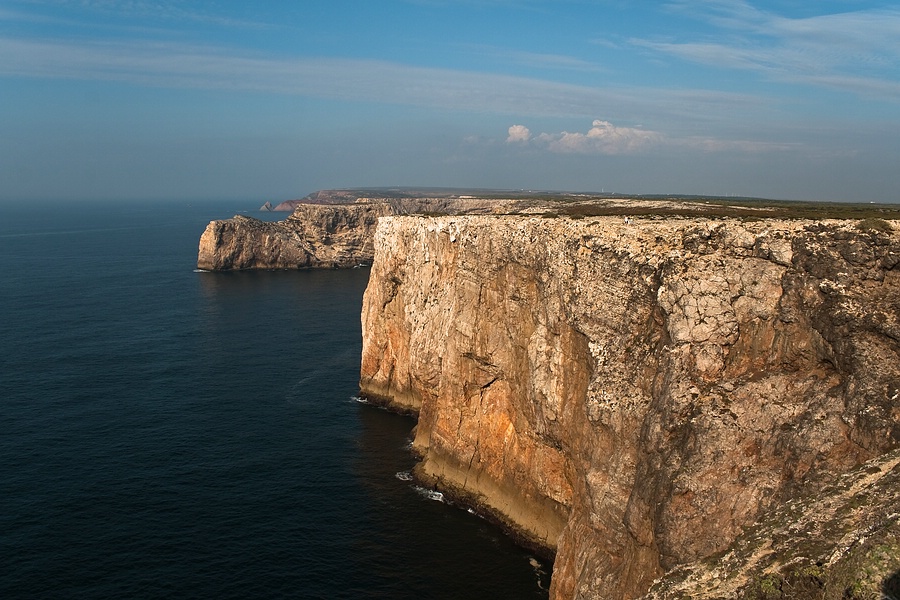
(634, 396)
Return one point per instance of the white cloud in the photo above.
(605, 138)
(518, 133)
(602, 138)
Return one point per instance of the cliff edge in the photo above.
(636, 397)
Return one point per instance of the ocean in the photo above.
(169, 433)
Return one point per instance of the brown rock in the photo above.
(842, 543)
(314, 236)
(634, 397)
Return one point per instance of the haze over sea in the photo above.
(172, 433)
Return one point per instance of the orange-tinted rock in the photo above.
(634, 396)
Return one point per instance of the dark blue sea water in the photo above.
(166, 433)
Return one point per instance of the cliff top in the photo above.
(600, 204)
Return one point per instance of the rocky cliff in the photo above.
(334, 228)
(636, 397)
(841, 543)
(313, 236)
(322, 234)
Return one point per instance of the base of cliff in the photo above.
(405, 406)
(485, 507)
(532, 523)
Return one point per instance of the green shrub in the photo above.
(874, 224)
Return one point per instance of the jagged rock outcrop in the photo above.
(314, 236)
(635, 396)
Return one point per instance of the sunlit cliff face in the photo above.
(633, 396)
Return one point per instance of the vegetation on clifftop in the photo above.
(609, 204)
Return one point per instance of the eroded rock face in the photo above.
(314, 236)
(634, 396)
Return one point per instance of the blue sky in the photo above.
(122, 99)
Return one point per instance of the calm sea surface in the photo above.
(166, 433)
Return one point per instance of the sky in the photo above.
(172, 99)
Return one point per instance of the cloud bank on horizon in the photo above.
(140, 98)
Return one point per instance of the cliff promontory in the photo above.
(334, 230)
(312, 236)
(644, 397)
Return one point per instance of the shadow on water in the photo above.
(457, 554)
(891, 587)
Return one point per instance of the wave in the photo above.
(429, 494)
(539, 571)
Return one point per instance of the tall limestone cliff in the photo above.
(634, 397)
(334, 232)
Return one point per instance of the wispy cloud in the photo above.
(534, 60)
(189, 66)
(141, 10)
(852, 51)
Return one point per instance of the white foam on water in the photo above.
(403, 475)
(538, 571)
(429, 494)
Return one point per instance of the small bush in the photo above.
(873, 224)
(765, 588)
